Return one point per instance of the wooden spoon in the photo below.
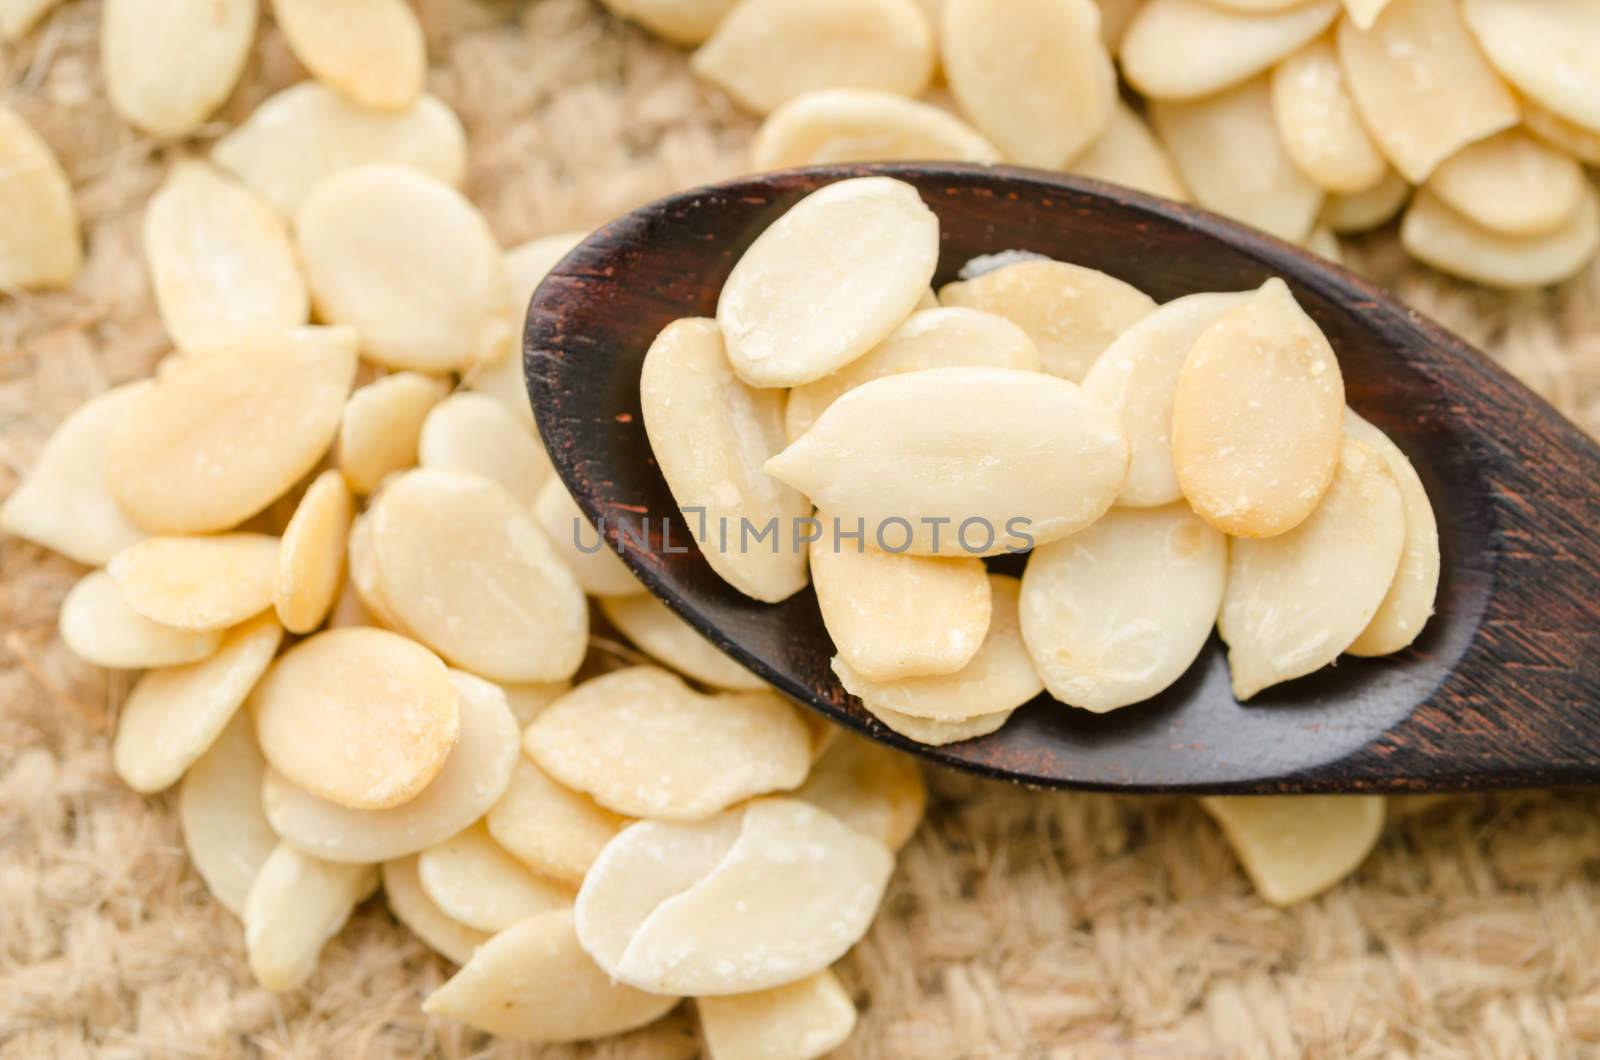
(1502, 688)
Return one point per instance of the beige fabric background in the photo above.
(1018, 924)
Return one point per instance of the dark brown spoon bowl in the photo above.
(1503, 687)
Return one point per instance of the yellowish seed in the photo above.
(475, 882)
(296, 904)
(814, 1014)
(311, 554)
(555, 831)
(372, 51)
(198, 582)
(1295, 846)
(381, 426)
(39, 241)
(219, 806)
(144, 42)
(99, 627)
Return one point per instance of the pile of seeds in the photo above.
(1303, 118)
(328, 536)
(1166, 468)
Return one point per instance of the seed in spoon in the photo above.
(1294, 602)
(1071, 313)
(1256, 417)
(866, 248)
(1117, 612)
(712, 435)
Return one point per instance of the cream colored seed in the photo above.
(526, 268)
(767, 52)
(1366, 210)
(1548, 49)
(1579, 142)
(930, 338)
(591, 559)
(1409, 602)
(296, 905)
(795, 889)
(466, 569)
(1295, 601)
(144, 42)
(409, 262)
(1256, 417)
(221, 262)
(17, 17)
(173, 715)
(383, 710)
(1318, 122)
(477, 883)
(308, 132)
(368, 594)
(198, 582)
(1423, 88)
(534, 983)
(1184, 49)
(1071, 313)
(412, 907)
(1436, 235)
(311, 554)
(1000, 678)
(384, 706)
(1512, 184)
(1295, 846)
(473, 778)
(939, 733)
(1004, 458)
(1230, 154)
(219, 807)
(372, 51)
(712, 435)
(809, 1017)
(474, 432)
(877, 791)
(381, 426)
(656, 631)
(1033, 75)
(679, 21)
(39, 240)
(1116, 613)
(1137, 378)
(527, 701)
(553, 830)
(1128, 153)
(221, 437)
(65, 502)
(866, 248)
(643, 743)
(99, 627)
(858, 125)
(896, 616)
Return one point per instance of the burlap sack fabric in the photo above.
(1019, 923)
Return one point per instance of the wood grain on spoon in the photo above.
(1502, 688)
